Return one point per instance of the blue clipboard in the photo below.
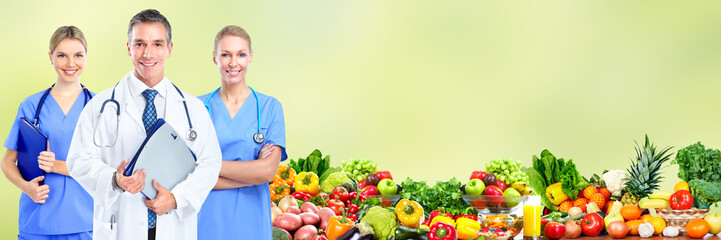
(165, 158)
(30, 143)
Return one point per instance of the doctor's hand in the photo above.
(266, 150)
(35, 191)
(164, 201)
(134, 183)
(46, 161)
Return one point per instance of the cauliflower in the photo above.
(382, 220)
(334, 179)
(614, 181)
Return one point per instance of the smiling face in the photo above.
(232, 57)
(68, 59)
(148, 49)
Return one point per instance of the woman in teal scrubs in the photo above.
(239, 205)
(59, 208)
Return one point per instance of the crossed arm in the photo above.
(235, 174)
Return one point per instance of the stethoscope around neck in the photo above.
(258, 137)
(86, 94)
(191, 135)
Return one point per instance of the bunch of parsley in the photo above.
(442, 196)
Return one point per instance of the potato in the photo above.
(306, 232)
(294, 210)
(325, 214)
(288, 221)
(274, 211)
(309, 218)
(309, 207)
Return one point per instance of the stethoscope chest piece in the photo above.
(258, 137)
(192, 135)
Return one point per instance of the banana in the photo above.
(519, 186)
(527, 191)
(653, 203)
(661, 195)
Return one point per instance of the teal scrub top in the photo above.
(232, 213)
(68, 208)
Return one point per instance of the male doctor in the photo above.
(103, 143)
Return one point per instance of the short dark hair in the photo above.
(150, 16)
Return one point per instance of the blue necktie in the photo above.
(149, 119)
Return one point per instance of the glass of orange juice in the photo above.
(532, 217)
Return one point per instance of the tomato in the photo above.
(592, 224)
(555, 230)
(697, 228)
(336, 205)
(340, 193)
(681, 200)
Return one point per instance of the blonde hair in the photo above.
(67, 32)
(231, 30)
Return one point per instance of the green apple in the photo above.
(387, 187)
(714, 220)
(511, 192)
(475, 187)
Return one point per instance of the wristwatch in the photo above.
(115, 183)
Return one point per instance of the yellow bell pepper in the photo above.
(467, 228)
(555, 193)
(443, 219)
(306, 182)
(410, 213)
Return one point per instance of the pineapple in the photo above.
(644, 174)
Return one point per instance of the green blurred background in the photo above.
(428, 89)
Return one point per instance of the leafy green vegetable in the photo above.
(315, 162)
(328, 172)
(572, 180)
(538, 184)
(443, 195)
(705, 193)
(697, 162)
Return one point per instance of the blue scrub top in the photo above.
(68, 208)
(232, 213)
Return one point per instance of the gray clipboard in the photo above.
(165, 158)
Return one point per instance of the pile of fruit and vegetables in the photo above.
(358, 200)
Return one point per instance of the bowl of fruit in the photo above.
(498, 190)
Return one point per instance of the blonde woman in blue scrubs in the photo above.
(251, 133)
(60, 208)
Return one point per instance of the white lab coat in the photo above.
(93, 167)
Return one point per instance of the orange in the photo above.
(682, 185)
(645, 218)
(633, 227)
(630, 212)
(697, 228)
(658, 225)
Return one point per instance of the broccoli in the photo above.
(705, 193)
(384, 222)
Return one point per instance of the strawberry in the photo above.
(599, 199)
(589, 191)
(581, 203)
(606, 193)
(565, 205)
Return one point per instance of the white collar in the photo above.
(137, 87)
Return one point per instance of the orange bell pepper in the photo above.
(337, 226)
(279, 190)
(286, 173)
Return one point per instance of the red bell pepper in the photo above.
(383, 175)
(442, 231)
(336, 205)
(474, 217)
(301, 195)
(435, 213)
(681, 200)
(478, 175)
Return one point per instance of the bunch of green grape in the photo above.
(359, 168)
(506, 170)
